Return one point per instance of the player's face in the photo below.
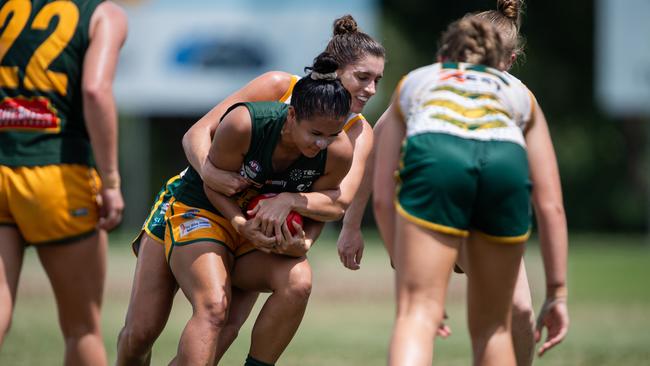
(361, 79)
(316, 134)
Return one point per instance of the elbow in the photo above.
(96, 92)
(550, 209)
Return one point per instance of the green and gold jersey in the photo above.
(42, 48)
(257, 167)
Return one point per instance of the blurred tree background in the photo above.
(603, 161)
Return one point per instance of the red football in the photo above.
(292, 217)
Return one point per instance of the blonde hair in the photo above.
(472, 40)
(507, 20)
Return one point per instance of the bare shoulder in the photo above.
(237, 122)
(112, 14)
(340, 151)
(277, 82)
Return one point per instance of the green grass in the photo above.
(349, 318)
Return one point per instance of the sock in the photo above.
(250, 361)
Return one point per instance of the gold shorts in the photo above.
(51, 203)
(186, 225)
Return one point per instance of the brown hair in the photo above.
(472, 40)
(507, 19)
(349, 44)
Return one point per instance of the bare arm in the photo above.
(357, 186)
(390, 138)
(552, 226)
(198, 139)
(108, 29)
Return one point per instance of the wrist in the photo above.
(111, 180)
(291, 198)
(557, 291)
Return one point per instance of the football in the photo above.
(292, 217)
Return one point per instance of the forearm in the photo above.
(354, 214)
(101, 122)
(320, 206)
(226, 207)
(553, 238)
(385, 217)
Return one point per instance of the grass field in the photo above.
(350, 314)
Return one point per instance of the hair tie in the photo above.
(319, 76)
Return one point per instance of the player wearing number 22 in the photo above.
(59, 179)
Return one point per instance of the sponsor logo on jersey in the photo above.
(33, 114)
(296, 174)
(280, 183)
(303, 187)
(252, 169)
(193, 225)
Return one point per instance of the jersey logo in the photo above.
(33, 114)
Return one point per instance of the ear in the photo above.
(291, 115)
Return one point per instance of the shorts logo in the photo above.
(193, 225)
(191, 213)
(163, 207)
(79, 212)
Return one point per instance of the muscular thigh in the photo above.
(263, 272)
(50, 204)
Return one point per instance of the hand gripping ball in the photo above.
(292, 217)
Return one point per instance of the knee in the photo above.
(299, 283)
(137, 338)
(213, 311)
(523, 317)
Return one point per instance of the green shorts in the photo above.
(454, 185)
(154, 225)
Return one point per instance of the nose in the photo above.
(371, 88)
(321, 143)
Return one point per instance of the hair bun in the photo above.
(509, 8)
(324, 64)
(345, 24)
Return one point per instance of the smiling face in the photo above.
(360, 79)
(313, 135)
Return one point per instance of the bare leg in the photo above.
(241, 304)
(490, 289)
(290, 281)
(202, 271)
(77, 272)
(424, 260)
(523, 320)
(152, 296)
(11, 261)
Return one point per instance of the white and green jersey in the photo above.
(465, 100)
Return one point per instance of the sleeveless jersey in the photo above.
(465, 100)
(257, 167)
(352, 117)
(42, 48)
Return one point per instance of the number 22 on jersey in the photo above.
(14, 17)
